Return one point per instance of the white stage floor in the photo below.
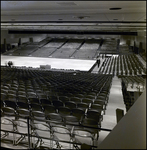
(35, 62)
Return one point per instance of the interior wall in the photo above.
(126, 39)
(130, 132)
(13, 38)
(84, 36)
(141, 38)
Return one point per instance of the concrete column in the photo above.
(128, 42)
(140, 47)
(5, 45)
(119, 114)
(31, 39)
(19, 42)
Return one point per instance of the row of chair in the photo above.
(131, 86)
(75, 101)
(122, 65)
(46, 133)
(109, 45)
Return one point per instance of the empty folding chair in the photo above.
(2, 104)
(79, 95)
(38, 116)
(41, 96)
(31, 95)
(87, 100)
(36, 107)
(12, 97)
(22, 127)
(23, 105)
(53, 97)
(82, 136)
(22, 114)
(70, 104)
(21, 93)
(11, 104)
(4, 91)
(29, 90)
(57, 103)
(12, 92)
(78, 112)
(75, 99)
(69, 94)
(3, 96)
(22, 99)
(91, 125)
(7, 124)
(54, 119)
(94, 93)
(43, 132)
(63, 111)
(38, 91)
(95, 115)
(104, 98)
(83, 106)
(45, 102)
(101, 102)
(9, 112)
(92, 97)
(98, 107)
(49, 109)
(61, 133)
(103, 94)
(63, 98)
(34, 100)
(70, 121)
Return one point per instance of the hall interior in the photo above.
(91, 54)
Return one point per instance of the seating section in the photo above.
(122, 65)
(65, 108)
(123, 49)
(62, 102)
(87, 50)
(110, 46)
(58, 48)
(132, 88)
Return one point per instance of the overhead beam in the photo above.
(70, 32)
(73, 21)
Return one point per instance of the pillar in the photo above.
(19, 42)
(5, 45)
(31, 40)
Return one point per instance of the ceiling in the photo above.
(74, 15)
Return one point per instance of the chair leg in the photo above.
(97, 135)
(4, 135)
(75, 146)
(37, 144)
(20, 139)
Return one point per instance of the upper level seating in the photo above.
(109, 45)
(124, 49)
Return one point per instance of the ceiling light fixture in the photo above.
(115, 8)
(81, 17)
(66, 3)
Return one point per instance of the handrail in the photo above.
(51, 121)
(46, 138)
